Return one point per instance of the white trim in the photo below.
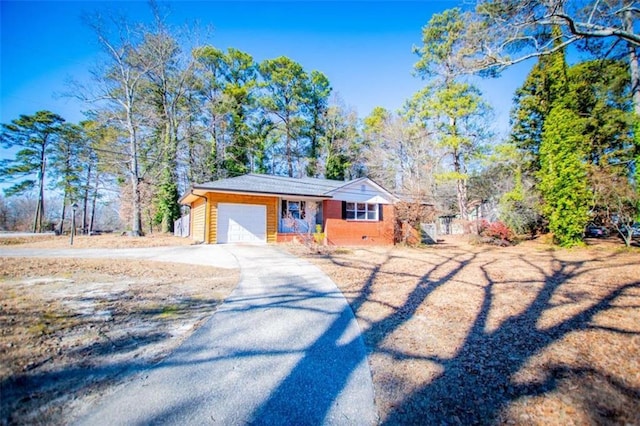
(386, 195)
(366, 211)
(373, 193)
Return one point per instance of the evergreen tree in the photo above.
(66, 166)
(341, 145)
(316, 105)
(35, 136)
(456, 115)
(563, 177)
(95, 156)
(240, 81)
(286, 85)
(599, 92)
(533, 103)
(450, 107)
(207, 156)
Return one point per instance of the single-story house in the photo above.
(266, 208)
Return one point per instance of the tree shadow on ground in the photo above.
(477, 383)
(283, 407)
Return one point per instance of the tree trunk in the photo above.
(169, 179)
(37, 221)
(461, 187)
(63, 214)
(287, 148)
(461, 184)
(93, 205)
(288, 155)
(633, 64)
(37, 216)
(136, 225)
(85, 202)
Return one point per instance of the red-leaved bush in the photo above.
(499, 230)
(495, 233)
(481, 226)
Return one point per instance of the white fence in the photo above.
(181, 226)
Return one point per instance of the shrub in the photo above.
(496, 233)
(481, 226)
(499, 230)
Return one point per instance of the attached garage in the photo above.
(242, 223)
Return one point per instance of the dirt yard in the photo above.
(71, 327)
(527, 335)
(457, 334)
(96, 241)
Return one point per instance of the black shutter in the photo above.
(283, 211)
(344, 210)
(380, 218)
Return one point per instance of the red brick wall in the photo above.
(352, 232)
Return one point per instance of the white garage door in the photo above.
(242, 223)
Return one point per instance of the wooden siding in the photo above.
(270, 202)
(198, 220)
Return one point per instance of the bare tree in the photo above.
(169, 79)
(117, 93)
(401, 155)
(502, 33)
(614, 200)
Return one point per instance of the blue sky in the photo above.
(364, 47)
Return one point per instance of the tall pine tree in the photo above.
(34, 136)
(543, 87)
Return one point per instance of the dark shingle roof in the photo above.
(268, 184)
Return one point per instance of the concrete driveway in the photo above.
(284, 348)
(212, 255)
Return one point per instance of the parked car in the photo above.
(635, 230)
(595, 231)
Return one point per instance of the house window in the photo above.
(362, 211)
(293, 209)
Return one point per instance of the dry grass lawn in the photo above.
(456, 333)
(71, 327)
(462, 334)
(95, 241)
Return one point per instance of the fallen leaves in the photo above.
(517, 335)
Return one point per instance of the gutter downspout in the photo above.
(204, 237)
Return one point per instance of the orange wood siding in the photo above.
(270, 202)
(198, 220)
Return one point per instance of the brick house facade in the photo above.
(264, 208)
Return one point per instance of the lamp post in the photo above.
(74, 207)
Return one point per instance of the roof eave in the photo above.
(369, 180)
(261, 193)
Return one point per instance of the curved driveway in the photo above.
(284, 348)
